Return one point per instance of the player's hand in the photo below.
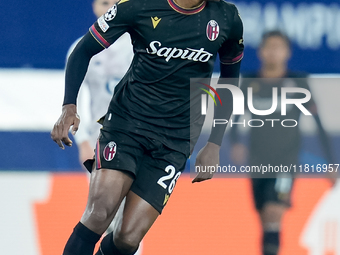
(209, 155)
(239, 153)
(68, 118)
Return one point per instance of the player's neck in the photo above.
(188, 3)
(277, 72)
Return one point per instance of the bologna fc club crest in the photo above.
(213, 29)
(111, 13)
(110, 151)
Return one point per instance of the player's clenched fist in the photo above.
(208, 156)
(68, 118)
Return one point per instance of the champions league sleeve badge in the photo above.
(111, 13)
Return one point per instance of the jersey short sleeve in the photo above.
(231, 51)
(115, 22)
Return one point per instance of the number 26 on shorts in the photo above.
(171, 172)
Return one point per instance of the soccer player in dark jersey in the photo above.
(274, 145)
(145, 140)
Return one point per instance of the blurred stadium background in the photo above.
(43, 189)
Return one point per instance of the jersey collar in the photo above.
(187, 11)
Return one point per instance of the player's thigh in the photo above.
(137, 218)
(108, 185)
(107, 189)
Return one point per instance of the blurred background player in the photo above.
(273, 145)
(105, 70)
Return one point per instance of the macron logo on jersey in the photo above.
(168, 53)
